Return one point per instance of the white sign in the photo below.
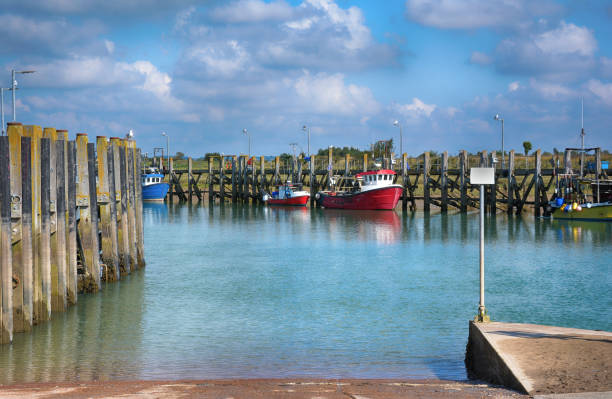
(482, 176)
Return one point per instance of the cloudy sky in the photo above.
(204, 70)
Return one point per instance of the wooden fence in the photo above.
(71, 218)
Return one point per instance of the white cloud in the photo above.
(601, 90)
(220, 59)
(550, 91)
(471, 14)
(567, 39)
(480, 58)
(416, 109)
(155, 81)
(352, 19)
(110, 46)
(329, 94)
(514, 86)
(253, 11)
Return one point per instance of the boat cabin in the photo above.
(375, 179)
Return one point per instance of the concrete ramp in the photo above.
(538, 359)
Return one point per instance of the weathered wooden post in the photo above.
(60, 302)
(71, 230)
(426, 194)
(122, 206)
(170, 179)
(365, 161)
(87, 203)
(45, 227)
(112, 252)
(262, 176)
(140, 257)
(222, 178)
(189, 178)
(35, 133)
(14, 133)
(109, 257)
(404, 181)
(6, 258)
(567, 160)
(312, 181)
(511, 182)
(330, 165)
(347, 167)
(463, 167)
(27, 256)
(132, 200)
(444, 182)
(253, 181)
(234, 181)
(537, 180)
(211, 181)
(276, 171)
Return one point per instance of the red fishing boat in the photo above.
(373, 190)
(287, 194)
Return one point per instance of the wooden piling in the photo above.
(222, 178)
(276, 171)
(71, 227)
(6, 261)
(27, 259)
(59, 301)
(211, 181)
(426, 182)
(347, 164)
(254, 195)
(404, 181)
(538, 181)
(112, 255)
(109, 257)
(45, 228)
(365, 161)
(86, 201)
(511, 183)
(14, 132)
(567, 161)
(170, 179)
(123, 234)
(189, 178)
(312, 181)
(132, 201)
(330, 165)
(463, 169)
(235, 177)
(444, 182)
(140, 257)
(35, 133)
(262, 177)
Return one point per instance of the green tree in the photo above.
(178, 156)
(527, 147)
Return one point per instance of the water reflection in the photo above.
(99, 339)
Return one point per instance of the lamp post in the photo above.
(398, 124)
(14, 87)
(246, 132)
(167, 149)
(499, 118)
(2, 106)
(307, 129)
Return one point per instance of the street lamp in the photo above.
(398, 124)
(246, 132)
(307, 129)
(14, 87)
(499, 118)
(2, 105)
(167, 149)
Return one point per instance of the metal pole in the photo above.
(401, 142)
(168, 150)
(2, 107)
(503, 163)
(249, 145)
(13, 89)
(309, 141)
(481, 306)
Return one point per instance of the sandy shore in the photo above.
(261, 388)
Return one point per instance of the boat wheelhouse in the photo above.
(153, 186)
(288, 194)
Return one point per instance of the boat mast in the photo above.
(582, 137)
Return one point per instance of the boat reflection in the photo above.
(383, 227)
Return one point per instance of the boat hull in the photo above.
(299, 200)
(155, 192)
(601, 213)
(384, 198)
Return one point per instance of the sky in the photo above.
(202, 71)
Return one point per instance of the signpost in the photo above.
(482, 176)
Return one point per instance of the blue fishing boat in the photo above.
(153, 188)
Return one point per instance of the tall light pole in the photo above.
(307, 128)
(14, 87)
(499, 118)
(2, 106)
(167, 149)
(246, 132)
(398, 124)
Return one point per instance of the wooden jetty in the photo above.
(432, 182)
(70, 219)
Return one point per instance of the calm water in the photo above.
(261, 292)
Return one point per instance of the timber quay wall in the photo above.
(71, 218)
(432, 182)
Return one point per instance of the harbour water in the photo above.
(244, 292)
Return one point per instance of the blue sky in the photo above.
(204, 70)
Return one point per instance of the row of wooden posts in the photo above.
(236, 179)
(233, 178)
(71, 218)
